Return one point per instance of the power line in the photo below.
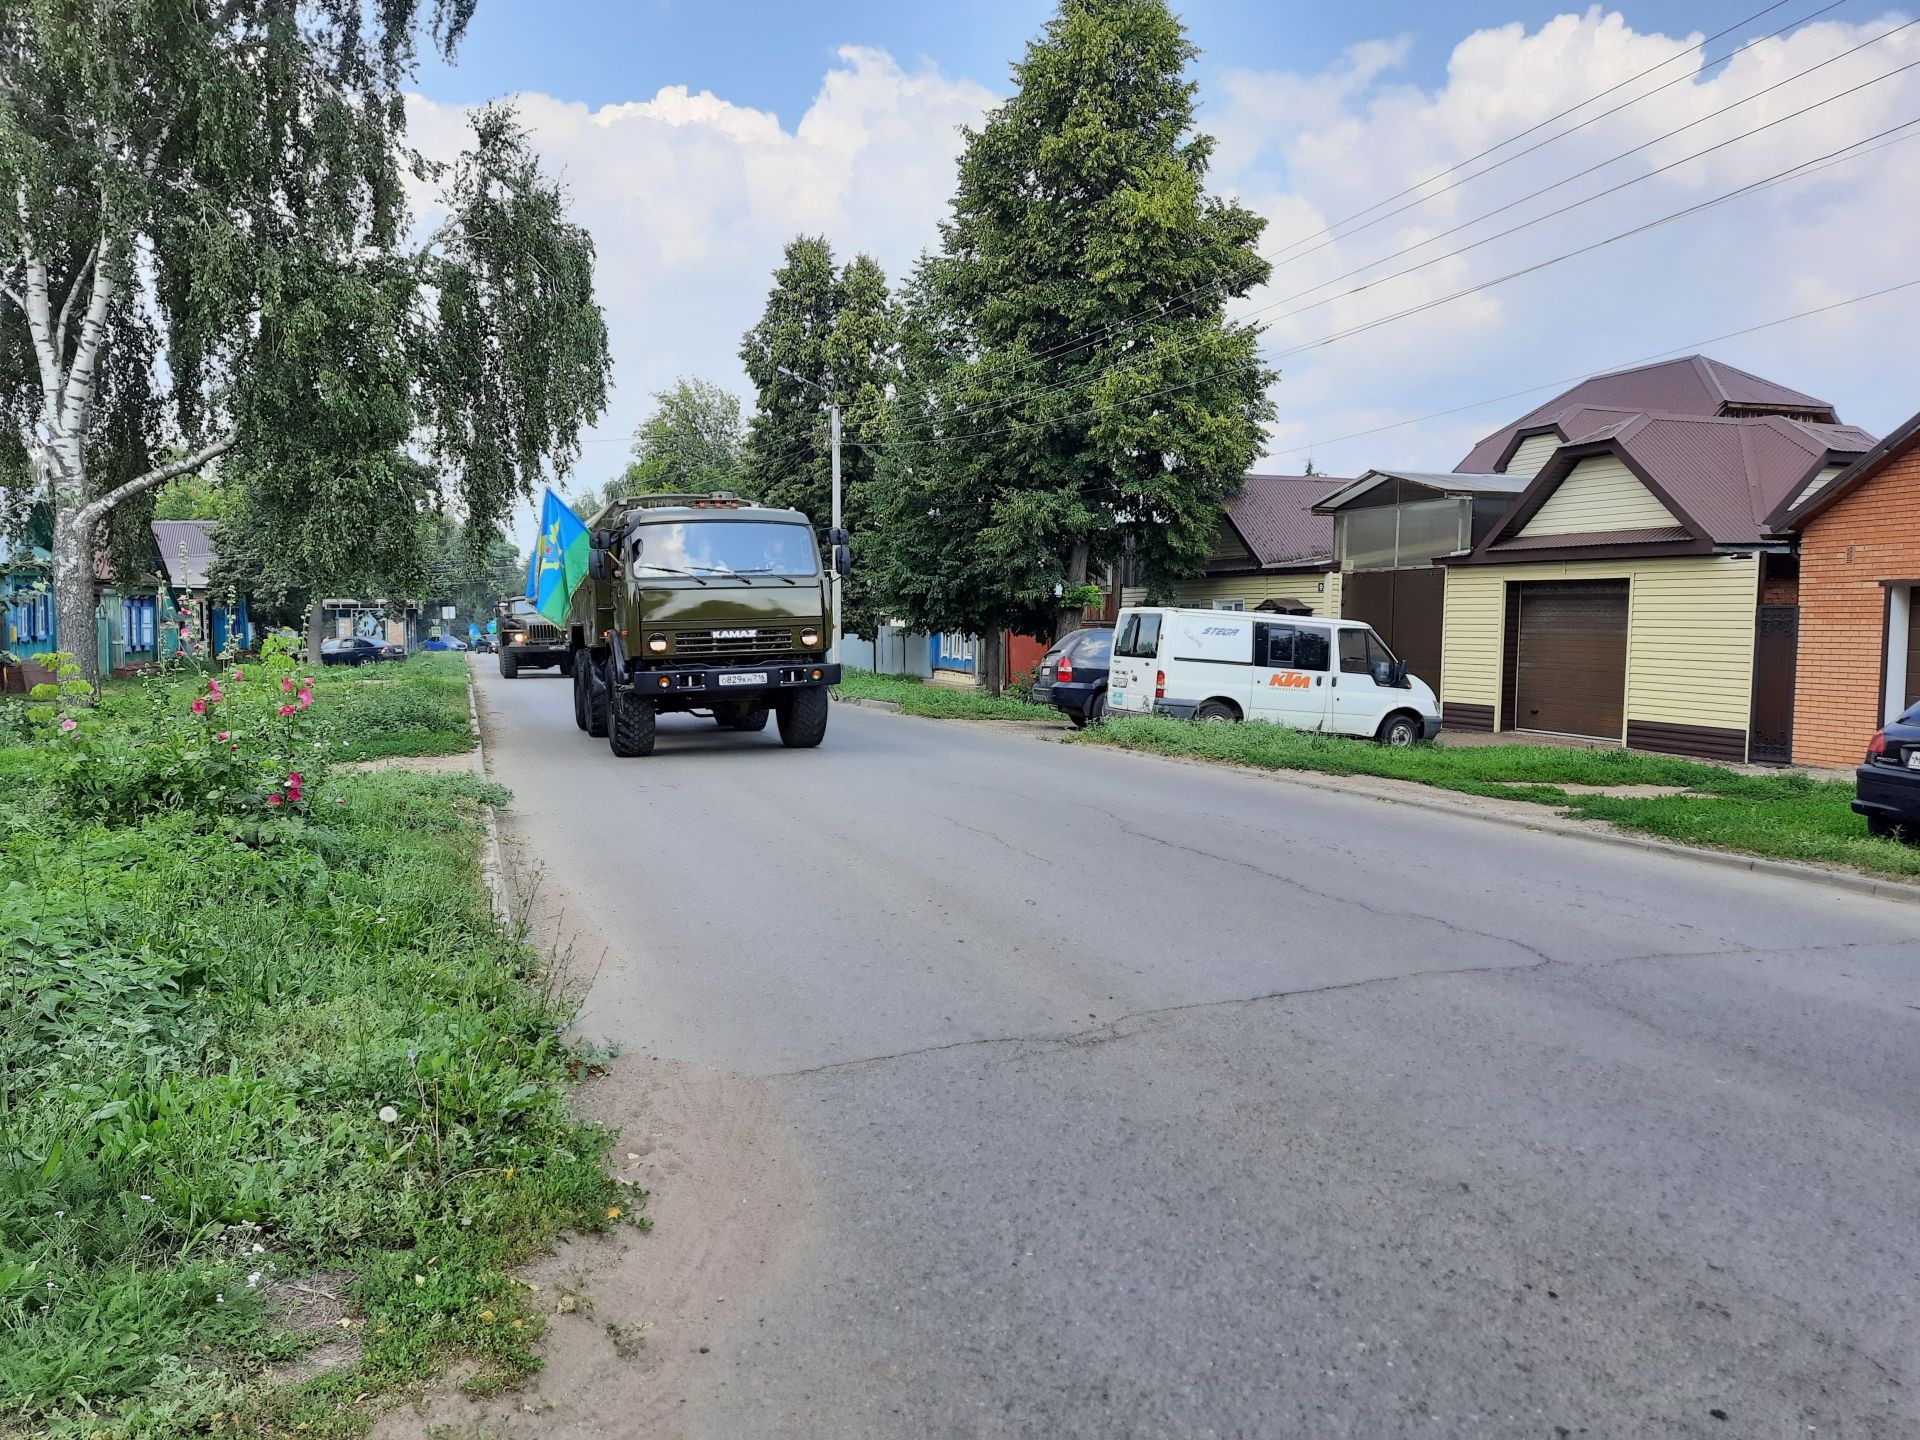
(1689, 348)
(1132, 321)
(1085, 380)
(1791, 172)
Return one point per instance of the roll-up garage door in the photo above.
(1570, 657)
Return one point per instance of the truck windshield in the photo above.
(725, 547)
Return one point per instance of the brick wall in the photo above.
(1871, 536)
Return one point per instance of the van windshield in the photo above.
(725, 547)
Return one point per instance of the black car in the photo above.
(1073, 676)
(1887, 787)
(358, 650)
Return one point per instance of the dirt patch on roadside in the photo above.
(631, 1316)
(461, 764)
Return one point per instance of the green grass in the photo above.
(413, 707)
(941, 702)
(202, 1019)
(1785, 816)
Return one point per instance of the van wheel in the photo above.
(803, 718)
(1217, 712)
(1399, 731)
(630, 721)
(509, 665)
(581, 685)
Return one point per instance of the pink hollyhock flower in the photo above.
(295, 781)
(308, 682)
(224, 734)
(69, 726)
(239, 673)
(286, 684)
(199, 706)
(233, 747)
(274, 799)
(286, 710)
(213, 689)
(305, 698)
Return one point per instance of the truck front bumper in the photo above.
(727, 682)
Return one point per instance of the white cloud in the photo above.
(1309, 150)
(690, 198)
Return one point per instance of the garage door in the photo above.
(1570, 657)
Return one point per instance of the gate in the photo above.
(1406, 609)
(1776, 647)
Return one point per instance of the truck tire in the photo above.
(580, 687)
(752, 718)
(594, 696)
(630, 722)
(803, 718)
(509, 665)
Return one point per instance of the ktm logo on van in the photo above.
(1289, 680)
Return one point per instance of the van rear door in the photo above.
(1136, 650)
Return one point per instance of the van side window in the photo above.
(1311, 649)
(1353, 653)
(1279, 649)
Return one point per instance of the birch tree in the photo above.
(200, 200)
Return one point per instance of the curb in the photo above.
(1550, 824)
(892, 706)
(490, 866)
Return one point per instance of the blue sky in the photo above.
(696, 139)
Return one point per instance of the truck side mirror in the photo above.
(597, 565)
(842, 559)
(838, 536)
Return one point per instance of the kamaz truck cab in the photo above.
(703, 603)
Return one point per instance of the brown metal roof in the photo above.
(1274, 516)
(186, 550)
(1903, 439)
(1693, 385)
(1727, 480)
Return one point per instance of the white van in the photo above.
(1295, 670)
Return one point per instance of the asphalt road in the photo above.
(1142, 1099)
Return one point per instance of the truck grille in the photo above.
(710, 642)
(538, 632)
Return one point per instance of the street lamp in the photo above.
(832, 407)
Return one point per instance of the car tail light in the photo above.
(1159, 684)
(1065, 673)
(1877, 745)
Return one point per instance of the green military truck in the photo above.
(528, 639)
(703, 603)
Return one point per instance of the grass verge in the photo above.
(940, 702)
(242, 1047)
(1788, 816)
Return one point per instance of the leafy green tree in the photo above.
(825, 332)
(204, 258)
(689, 444)
(1075, 383)
(470, 571)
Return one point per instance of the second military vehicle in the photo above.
(702, 603)
(528, 639)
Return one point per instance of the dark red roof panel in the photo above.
(1693, 385)
(1274, 514)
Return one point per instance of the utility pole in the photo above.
(832, 407)
(833, 420)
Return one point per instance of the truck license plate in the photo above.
(757, 677)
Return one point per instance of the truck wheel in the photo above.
(803, 718)
(630, 720)
(752, 718)
(594, 696)
(509, 665)
(580, 688)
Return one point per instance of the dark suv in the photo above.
(1073, 676)
(1887, 787)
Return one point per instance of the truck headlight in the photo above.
(657, 644)
(519, 637)
(810, 636)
